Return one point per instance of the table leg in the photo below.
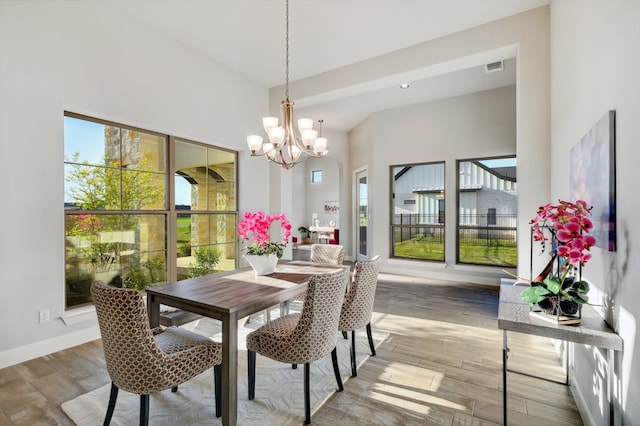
(610, 377)
(229, 369)
(153, 310)
(505, 355)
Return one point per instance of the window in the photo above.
(487, 238)
(117, 207)
(491, 217)
(316, 176)
(441, 211)
(417, 217)
(205, 182)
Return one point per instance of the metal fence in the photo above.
(411, 226)
(476, 229)
(487, 229)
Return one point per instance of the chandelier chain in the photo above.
(286, 86)
(284, 146)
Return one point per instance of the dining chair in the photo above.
(332, 254)
(321, 253)
(357, 306)
(301, 338)
(142, 360)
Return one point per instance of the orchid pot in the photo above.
(262, 264)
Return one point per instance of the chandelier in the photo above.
(285, 146)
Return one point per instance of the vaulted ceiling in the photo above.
(248, 37)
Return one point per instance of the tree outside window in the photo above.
(117, 214)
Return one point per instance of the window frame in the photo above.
(438, 226)
(487, 228)
(168, 210)
(313, 175)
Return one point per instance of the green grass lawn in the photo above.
(498, 255)
(184, 230)
(471, 251)
(423, 248)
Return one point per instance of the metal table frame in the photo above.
(513, 315)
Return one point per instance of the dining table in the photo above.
(229, 296)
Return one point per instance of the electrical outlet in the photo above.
(44, 315)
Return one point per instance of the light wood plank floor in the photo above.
(441, 364)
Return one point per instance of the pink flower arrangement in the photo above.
(255, 228)
(570, 224)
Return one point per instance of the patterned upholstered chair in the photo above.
(327, 253)
(143, 361)
(357, 306)
(322, 253)
(301, 338)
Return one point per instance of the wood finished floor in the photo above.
(441, 364)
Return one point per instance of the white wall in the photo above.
(465, 127)
(307, 198)
(595, 67)
(84, 57)
(526, 36)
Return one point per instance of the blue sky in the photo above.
(87, 138)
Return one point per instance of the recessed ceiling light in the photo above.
(404, 86)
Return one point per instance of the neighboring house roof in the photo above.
(505, 173)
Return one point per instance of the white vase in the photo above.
(262, 265)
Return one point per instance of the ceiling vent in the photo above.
(494, 66)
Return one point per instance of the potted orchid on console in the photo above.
(261, 251)
(566, 225)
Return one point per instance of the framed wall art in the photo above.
(593, 178)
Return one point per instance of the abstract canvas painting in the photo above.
(592, 178)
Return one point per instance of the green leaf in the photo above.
(581, 298)
(581, 286)
(534, 295)
(553, 284)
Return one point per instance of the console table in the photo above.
(326, 232)
(513, 315)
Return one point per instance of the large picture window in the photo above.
(487, 207)
(120, 222)
(205, 200)
(417, 217)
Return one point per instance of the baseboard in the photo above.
(583, 407)
(45, 347)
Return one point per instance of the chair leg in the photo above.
(112, 404)
(217, 384)
(174, 389)
(336, 370)
(294, 366)
(251, 359)
(144, 410)
(353, 354)
(344, 335)
(373, 348)
(307, 399)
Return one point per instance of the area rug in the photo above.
(278, 399)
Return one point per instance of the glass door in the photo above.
(362, 214)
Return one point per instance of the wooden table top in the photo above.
(239, 291)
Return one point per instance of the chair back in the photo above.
(357, 306)
(332, 254)
(315, 334)
(130, 349)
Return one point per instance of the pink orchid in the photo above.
(570, 225)
(255, 228)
